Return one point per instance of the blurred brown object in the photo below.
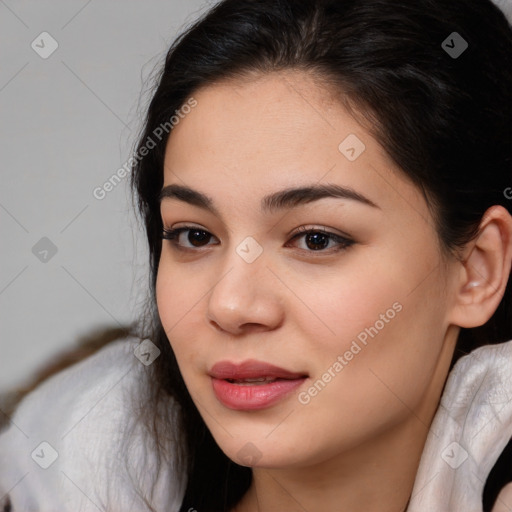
(87, 345)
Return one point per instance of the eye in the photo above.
(315, 239)
(318, 239)
(196, 237)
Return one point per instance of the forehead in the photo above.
(264, 117)
(274, 132)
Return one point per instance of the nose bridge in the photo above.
(243, 292)
(243, 270)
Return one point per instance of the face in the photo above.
(347, 292)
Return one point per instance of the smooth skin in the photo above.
(357, 444)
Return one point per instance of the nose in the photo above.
(248, 298)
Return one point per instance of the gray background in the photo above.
(68, 123)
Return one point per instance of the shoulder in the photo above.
(76, 442)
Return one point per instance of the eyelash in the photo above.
(344, 243)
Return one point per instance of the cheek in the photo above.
(350, 305)
(383, 357)
(182, 298)
(178, 292)
(166, 299)
(176, 298)
(387, 330)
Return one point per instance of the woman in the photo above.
(325, 188)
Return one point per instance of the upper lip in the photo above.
(250, 369)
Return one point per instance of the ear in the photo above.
(484, 270)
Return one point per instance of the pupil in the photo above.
(317, 238)
(202, 236)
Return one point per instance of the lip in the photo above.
(251, 369)
(257, 396)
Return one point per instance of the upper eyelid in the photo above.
(297, 231)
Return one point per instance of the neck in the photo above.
(376, 476)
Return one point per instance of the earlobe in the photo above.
(484, 270)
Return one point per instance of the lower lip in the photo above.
(247, 397)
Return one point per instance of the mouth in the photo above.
(257, 381)
(253, 384)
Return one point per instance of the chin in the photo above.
(260, 453)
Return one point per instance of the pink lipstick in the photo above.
(252, 384)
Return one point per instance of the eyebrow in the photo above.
(287, 198)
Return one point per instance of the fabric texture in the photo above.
(84, 413)
(472, 426)
(87, 415)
